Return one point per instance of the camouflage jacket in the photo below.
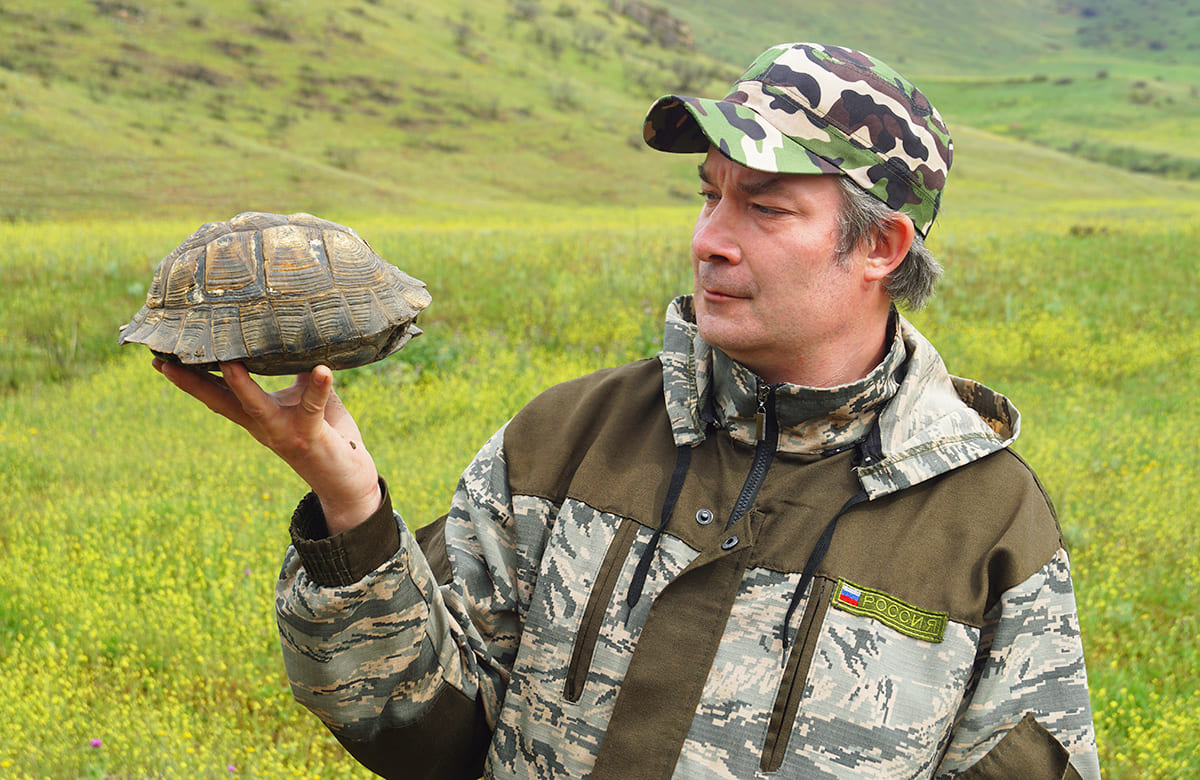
(664, 570)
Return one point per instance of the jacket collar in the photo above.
(929, 421)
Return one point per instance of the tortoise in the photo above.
(279, 293)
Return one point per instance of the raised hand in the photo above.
(305, 424)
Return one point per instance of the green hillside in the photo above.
(1112, 81)
(332, 107)
(404, 107)
(965, 36)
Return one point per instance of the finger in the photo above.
(205, 387)
(255, 401)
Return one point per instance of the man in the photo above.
(790, 545)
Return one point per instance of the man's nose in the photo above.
(714, 238)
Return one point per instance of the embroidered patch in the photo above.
(848, 594)
(891, 611)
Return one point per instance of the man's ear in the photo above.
(888, 247)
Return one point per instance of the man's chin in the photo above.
(725, 333)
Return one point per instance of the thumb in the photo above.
(316, 396)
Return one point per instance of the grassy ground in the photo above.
(140, 536)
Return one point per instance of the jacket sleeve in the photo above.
(1027, 714)
(405, 665)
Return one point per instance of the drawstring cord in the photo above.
(683, 457)
(868, 450)
(814, 560)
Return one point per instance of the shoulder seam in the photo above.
(1062, 542)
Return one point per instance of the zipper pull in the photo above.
(760, 417)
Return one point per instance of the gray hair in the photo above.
(862, 216)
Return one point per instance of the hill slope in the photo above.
(1112, 81)
(958, 36)
(114, 107)
(149, 108)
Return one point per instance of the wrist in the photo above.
(342, 515)
(348, 556)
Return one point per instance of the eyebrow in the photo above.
(768, 183)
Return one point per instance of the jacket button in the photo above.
(729, 543)
(704, 516)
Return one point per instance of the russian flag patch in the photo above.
(906, 618)
(849, 594)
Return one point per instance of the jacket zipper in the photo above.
(585, 640)
(767, 433)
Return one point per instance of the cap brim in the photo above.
(680, 124)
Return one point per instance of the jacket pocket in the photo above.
(1027, 751)
(597, 605)
(795, 675)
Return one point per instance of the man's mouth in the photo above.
(719, 294)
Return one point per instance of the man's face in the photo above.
(769, 291)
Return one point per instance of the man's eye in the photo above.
(709, 197)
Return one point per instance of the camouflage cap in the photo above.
(809, 108)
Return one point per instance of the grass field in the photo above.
(140, 535)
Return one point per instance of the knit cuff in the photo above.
(347, 557)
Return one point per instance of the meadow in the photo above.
(140, 535)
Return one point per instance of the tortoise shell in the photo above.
(279, 293)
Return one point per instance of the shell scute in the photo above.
(254, 220)
(281, 293)
(334, 317)
(416, 297)
(232, 265)
(261, 333)
(356, 258)
(158, 286)
(294, 260)
(297, 325)
(165, 330)
(181, 288)
(195, 337)
(203, 236)
(368, 312)
(228, 342)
